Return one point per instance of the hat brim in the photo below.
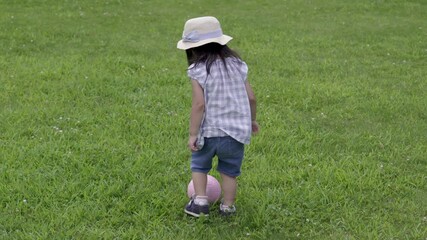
(224, 39)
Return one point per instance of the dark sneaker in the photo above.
(196, 210)
(227, 210)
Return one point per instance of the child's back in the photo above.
(227, 110)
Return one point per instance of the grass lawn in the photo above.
(95, 103)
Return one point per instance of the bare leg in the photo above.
(229, 188)
(199, 182)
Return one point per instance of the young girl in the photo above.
(223, 112)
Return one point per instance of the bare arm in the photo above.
(252, 103)
(197, 110)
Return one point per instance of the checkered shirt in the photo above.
(227, 109)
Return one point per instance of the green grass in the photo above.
(94, 109)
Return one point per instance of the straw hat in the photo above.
(200, 31)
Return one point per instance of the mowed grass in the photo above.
(94, 110)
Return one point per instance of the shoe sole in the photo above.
(227, 214)
(195, 214)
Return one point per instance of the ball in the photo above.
(213, 189)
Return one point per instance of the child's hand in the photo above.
(255, 127)
(192, 143)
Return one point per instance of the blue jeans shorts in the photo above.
(229, 152)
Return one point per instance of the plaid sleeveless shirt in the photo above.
(227, 109)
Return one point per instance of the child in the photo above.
(223, 112)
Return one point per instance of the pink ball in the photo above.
(213, 189)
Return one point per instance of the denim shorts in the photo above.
(229, 152)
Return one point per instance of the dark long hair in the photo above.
(209, 53)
